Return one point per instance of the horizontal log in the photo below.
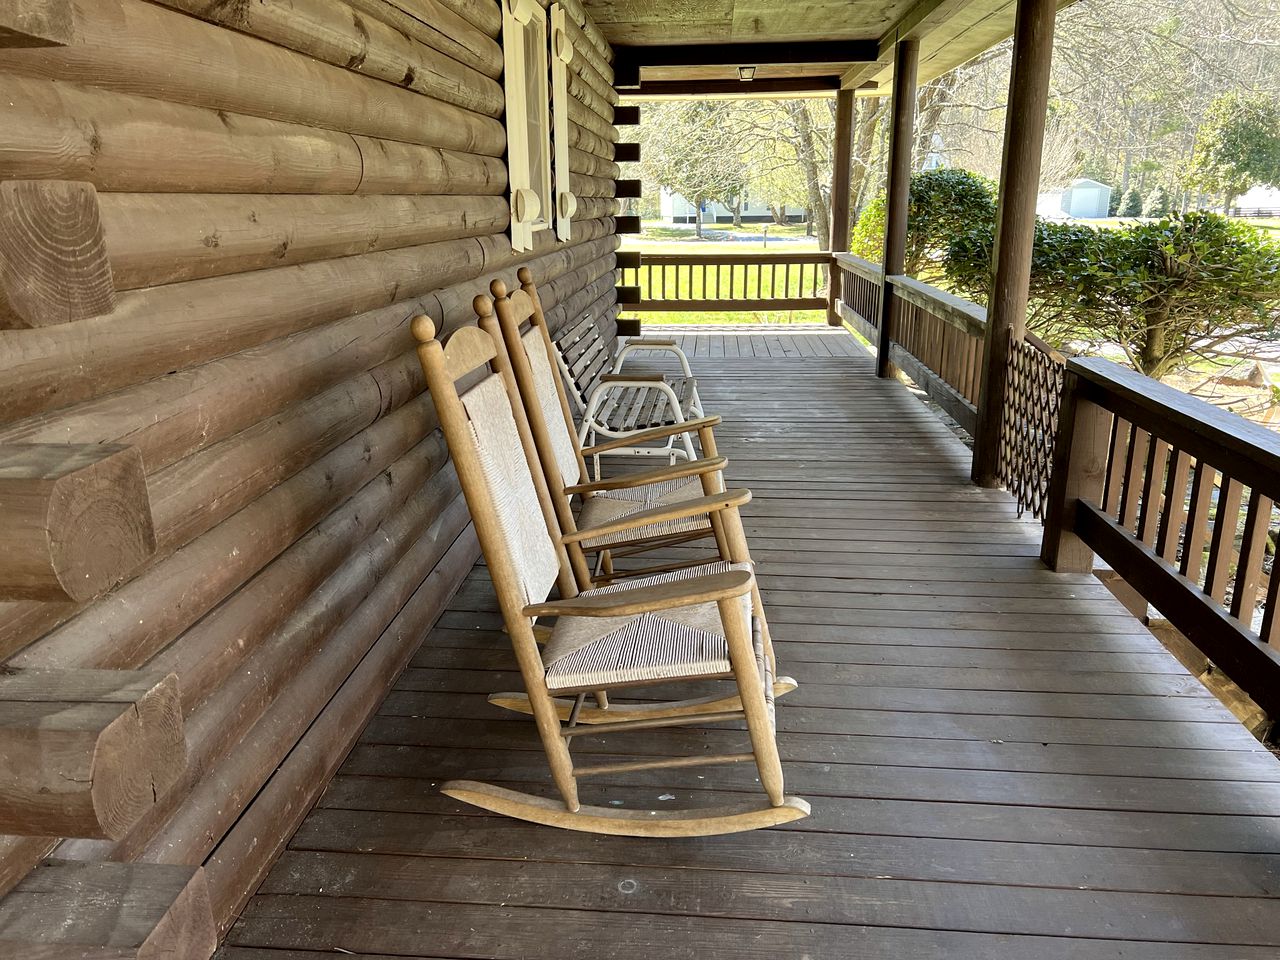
(337, 34)
(584, 185)
(52, 130)
(630, 260)
(210, 402)
(631, 295)
(629, 189)
(131, 625)
(35, 23)
(582, 162)
(86, 752)
(580, 18)
(53, 259)
(626, 152)
(73, 520)
(627, 225)
(628, 116)
(109, 911)
(481, 14)
(583, 139)
(199, 492)
(242, 858)
(345, 541)
(262, 675)
(590, 69)
(598, 207)
(274, 724)
(162, 329)
(587, 118)
(154, 239)
(134, 47)
(581, 90)
(436, 24)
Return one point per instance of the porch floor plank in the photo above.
(1003, 764)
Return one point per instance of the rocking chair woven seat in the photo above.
(610, 505)
(590, 653)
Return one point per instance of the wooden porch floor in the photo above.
(1003, 764)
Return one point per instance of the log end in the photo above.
(138, 758)
(35, 23)
(53, 255)
(76, 520)
(140, 911)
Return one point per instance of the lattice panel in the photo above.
(1030, 425)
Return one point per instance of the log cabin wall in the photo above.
(278, 188)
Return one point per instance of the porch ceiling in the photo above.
(795, 38)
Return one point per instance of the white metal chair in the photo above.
(622, 404)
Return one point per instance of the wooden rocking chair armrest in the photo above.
(649, 342)
(689, 468)
(662, 596)
(647, 436)
(633, 378)
(729, 499)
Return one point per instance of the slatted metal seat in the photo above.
(617, 397)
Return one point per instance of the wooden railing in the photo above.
(730, 281)
(936, 339)
(860, 294)
(1178, 497)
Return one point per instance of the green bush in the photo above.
(1165, 290)
(1130, 204)
(942, 204)
(1157, 204)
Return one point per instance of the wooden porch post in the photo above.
(1015, 222)
(906, 58)
(840, 180)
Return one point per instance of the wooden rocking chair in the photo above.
(564, 462)
(687, 625)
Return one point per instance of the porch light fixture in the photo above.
(746, 73)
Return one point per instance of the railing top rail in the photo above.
(1243, 449)
(955, 310)
(855, 264)
(808, 256)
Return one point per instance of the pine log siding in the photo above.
(279, 192)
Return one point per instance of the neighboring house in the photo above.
(676, 209)
(1084, 199)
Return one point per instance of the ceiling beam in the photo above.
(629, 59)
(736, 89)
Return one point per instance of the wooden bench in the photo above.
(614, 402)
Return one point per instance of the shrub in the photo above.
(1130, 204)
(1164, 290)
(943, 203)
(1157, 204)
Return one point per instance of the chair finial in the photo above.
(482, 305)
(526, 276)
(498, 289)
(423, 328)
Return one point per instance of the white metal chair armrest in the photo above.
(664, 346)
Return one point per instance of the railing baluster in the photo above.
(1222, 545)
(1134, 464)
(1115, 466)
(1149, 509)
(1175, 507)
(1197, 521)
(1253, 549)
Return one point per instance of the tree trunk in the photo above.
(737, 212)
(779, 214)
(697, 219)
(864, 140)
(821, 219)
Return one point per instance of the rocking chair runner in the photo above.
(563, 461)
(687, 625)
